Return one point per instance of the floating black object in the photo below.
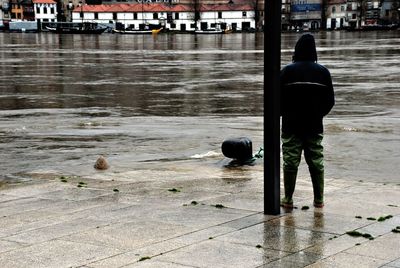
(240, 149)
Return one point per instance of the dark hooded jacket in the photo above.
(306, 91)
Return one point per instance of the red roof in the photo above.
(226, 7)
(157, 7)
(44, 2)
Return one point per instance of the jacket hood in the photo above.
(305, 49)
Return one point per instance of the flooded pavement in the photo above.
(156, 104)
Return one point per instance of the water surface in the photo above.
(165, 102)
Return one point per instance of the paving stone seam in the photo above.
(189, 233)
(346, 249)
(51, 225)
(343, 252)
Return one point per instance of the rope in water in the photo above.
(258, 155)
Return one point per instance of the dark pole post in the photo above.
(272, 62)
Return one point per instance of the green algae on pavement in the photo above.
(144, 258)
(358, 234)
(174, 190)
(383, 218)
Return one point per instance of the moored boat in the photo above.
(138, 31)
(76, 28)
(132, 31)
(209, 31)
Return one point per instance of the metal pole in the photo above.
(272, 61)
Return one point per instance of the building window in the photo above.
(155, 15)
(219, 15)
(52, 10)
(342, 8)
(135, 16)
(244, 14)
(173, 25)
(45, 10)
(96, 16)
(177, 16)
(115, 16)
(333, 9)
(193, 25)
(354, 16)
(37, 10)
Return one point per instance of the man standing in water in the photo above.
(306, 97)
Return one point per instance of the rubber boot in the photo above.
(317, 178)
(289, 181)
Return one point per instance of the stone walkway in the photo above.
(121, 220)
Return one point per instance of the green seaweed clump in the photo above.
(174, 190)
(144, 258)
(116, 190)
(371, 219)
(219, 206)
(383, 218)
(258, 246)
(366, 235)
(354, 233)
(358, 217)
(396, 230)
(358, 234)
(81, 184)
(63, 179)
(194, 203)
(305, 207)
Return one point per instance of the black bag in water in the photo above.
(239, 148)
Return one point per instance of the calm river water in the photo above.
(154, 103)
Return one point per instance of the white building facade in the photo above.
(171, 17)
(227, 17)
(45, 10)
(336, 17)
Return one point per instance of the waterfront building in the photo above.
(371, 11)
(285, 11)
(353, 14)
(228, 16)
(172, 17)
(390, 12)
(336, 14)
(22, 10)
(45, 10)
(306, 14)
(16, 10)
(4, 11)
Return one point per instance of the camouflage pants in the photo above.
(292, 147)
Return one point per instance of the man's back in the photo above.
(306, 93)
